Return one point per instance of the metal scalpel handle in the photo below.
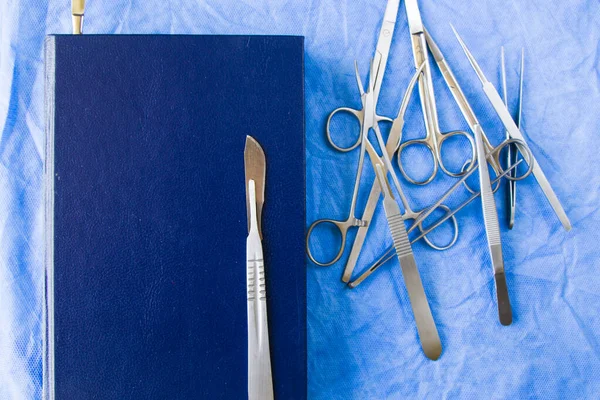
(260, 380)
(428, 334)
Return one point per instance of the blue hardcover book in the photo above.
(146, 214)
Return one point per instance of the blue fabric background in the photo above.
(363, 342)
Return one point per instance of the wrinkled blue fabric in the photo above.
(362, 343)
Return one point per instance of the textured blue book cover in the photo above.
(146, 214)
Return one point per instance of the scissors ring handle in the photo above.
(442, 139)
(358, 114)
(428, 231)
(428, 146)
(342, 227)
(523, 149)
(467, 166)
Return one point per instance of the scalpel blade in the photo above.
(255, 167)
(428, 334)
(514, 132)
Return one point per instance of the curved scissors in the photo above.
(434, 138)
(394, 139)
(382, 51)
(493, 153)
(352, 221)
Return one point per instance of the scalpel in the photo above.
(260, 381)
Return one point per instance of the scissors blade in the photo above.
(492, 231)
(428, 334)
(415, 24)
(77, 11)
(420, 56)
(384, 42)
(255, 169)
(508, 122)
(455, 89)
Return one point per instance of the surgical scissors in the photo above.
(363, 223)
(380, 61)
(382, 53)
(434, 138)
(351, 221)
(492, 155)
(394, 139)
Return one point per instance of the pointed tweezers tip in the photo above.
(470, 57)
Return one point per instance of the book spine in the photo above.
(48, 317)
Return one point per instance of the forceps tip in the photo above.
(470, 57)
(433, 352)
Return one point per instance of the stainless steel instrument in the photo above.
(367, 122)
(428, 334)
(260, 381)
(492, 154)
(511, 153)
(429, 339)
(434, 138)
(492, 231)
(366, 117)
(514, 132)
(388, 255)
